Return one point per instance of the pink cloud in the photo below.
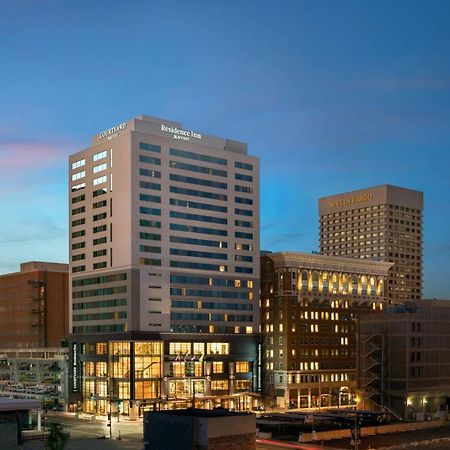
(28, 155)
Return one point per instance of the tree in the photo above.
(56, 439)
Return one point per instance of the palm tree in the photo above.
(56, 439)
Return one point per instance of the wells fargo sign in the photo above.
(351, 200)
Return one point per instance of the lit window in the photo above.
(78, 164)
(99, 168)
(99, 180)
(78, 175)
(99, 155)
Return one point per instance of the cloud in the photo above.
(23, 155)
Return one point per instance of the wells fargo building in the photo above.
(164, 250)
(382, 223)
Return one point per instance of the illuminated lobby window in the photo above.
(217, 348)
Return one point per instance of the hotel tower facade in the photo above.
(383, 223)
(164, 257)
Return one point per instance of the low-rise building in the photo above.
(34, 304)
(130, 372)
(405, 358)
(199, 429)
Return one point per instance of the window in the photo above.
(239, 234)
(245, 201)
(99, 168)
(78, 164)
(99, 192)
(179, 347)
(149, 147)
(150, 198)
(148, 185)
(100, 265)
(79, 210)
(99, 241)
(242, 367)
(149, 249)
(243, 212)
(150, 173)
(149, 160)
(217, 348)
(243, 223)
(78, 175)
(77, 234)
(197, 156)
(149, 262)
(217, 367)
(99, 180)
(99, 204)
(77, 187)
(246, 189)
(99, 229)
(77, 199)
(78, 222)
(99, 216)
(242, 177)
(242, 165)
(195, 193)
(99, 155)
(198, 181)
(198, 169)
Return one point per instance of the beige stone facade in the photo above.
(164, 231)
(382, 223)
(309, 309)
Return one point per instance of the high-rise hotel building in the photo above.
(382, 223)
(164, 245)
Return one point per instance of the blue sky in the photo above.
(332, 96)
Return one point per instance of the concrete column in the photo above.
(309, 398)
(134, 411)
(39, 415)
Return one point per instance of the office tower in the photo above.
(34, 306)
(310, 307)
(382, 223)
(164, 241)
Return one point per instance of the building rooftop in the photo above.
(191, 412)
(324, 262)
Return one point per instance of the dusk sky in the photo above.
(332, 95)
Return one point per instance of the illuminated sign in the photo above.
(112, 132)
(178, 133)
(351, 200)
(259, 369)
(74, 368)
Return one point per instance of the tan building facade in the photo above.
(382, 223)
(34, 304)
(164, 232)
(309, 309)
(164, 257)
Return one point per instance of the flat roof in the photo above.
(191, 412)
(16, 404)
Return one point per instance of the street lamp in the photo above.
(108, 379)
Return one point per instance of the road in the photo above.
(85, 435)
